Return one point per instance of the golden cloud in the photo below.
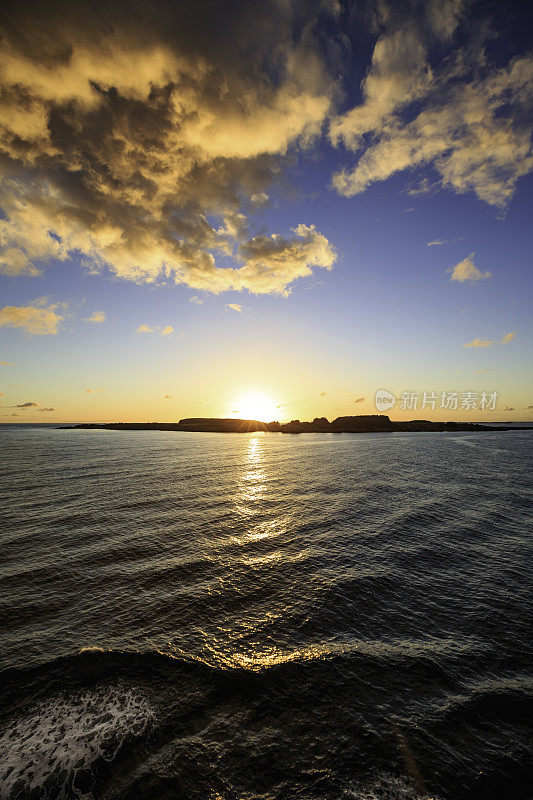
(466, 271)
(470, 121)
(97, 317)
(124, 135)
(35, 319)
(479, 343)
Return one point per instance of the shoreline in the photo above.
(357, 424)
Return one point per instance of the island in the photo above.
(363, 423)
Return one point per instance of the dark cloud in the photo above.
(126, 130)
(26, 405)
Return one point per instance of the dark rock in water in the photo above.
(363, 423)
(221, 425)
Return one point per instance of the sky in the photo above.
(268, 210)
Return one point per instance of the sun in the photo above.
(256, 406)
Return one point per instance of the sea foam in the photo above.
(54, 747)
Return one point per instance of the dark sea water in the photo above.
(238, 616)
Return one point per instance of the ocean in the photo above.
(237, 616)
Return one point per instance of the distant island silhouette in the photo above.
(364, 423)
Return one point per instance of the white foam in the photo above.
(58, 739)
(387, 787)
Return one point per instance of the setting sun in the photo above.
(256, 406)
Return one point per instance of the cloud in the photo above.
(466, 271)
(440, 242)
(139, 140)
(96, 317)
(323, 394)
(7, 364)
(46, 410)
(35, 319)
(528, 407)
(166, 331)
(167, 397)
(508, 408)
(233, 307)
(484, 370)
(463, 116)
(509, 337)
(98, 389)
(479, 343)
(26, 405)
(274, 262)
(196, 300)
(259, 199)
(360, 400)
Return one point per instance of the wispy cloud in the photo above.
(234, 307)
(467, 118)
(360, 400)
(7, 364)
(37, 319)
(480, 343)
(97, 317)
(509, 337)
(467, 272)
(441, 242)
(166, 331)
(168, 397)
(196, 300)
(259, 199)
(98, 389)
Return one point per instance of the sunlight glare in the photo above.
(256, 406)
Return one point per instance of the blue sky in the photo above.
(341, 214)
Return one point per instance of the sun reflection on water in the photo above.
(251, 486)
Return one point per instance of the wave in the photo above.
(132, 719)
(53, 748)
